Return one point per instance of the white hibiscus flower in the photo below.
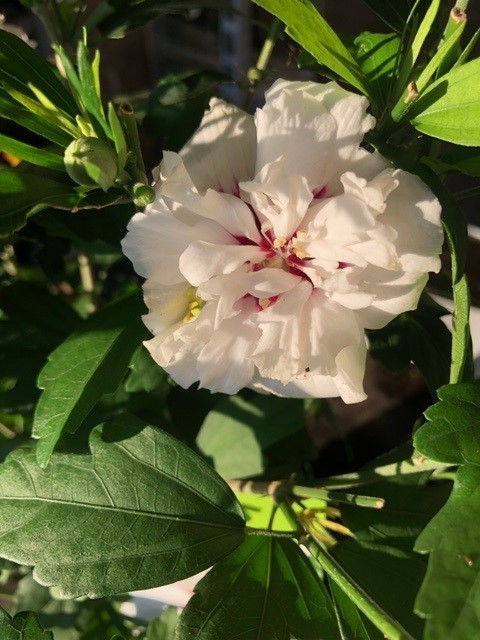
(275, 240)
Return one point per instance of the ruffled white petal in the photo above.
(222, 152)
(318, 128)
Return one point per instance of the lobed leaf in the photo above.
(24, 626)
(452, 433)
(143, 510)
(450, 594)
(90, 363)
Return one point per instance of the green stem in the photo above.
(468, 193)
(391, 629)
(252, 531)
(462, 5)
(255, 74)
(338, 496)
(127, 117)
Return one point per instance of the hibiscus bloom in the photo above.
(275, 240)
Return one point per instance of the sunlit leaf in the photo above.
(307, 27)
(90, 363)
(452, 433)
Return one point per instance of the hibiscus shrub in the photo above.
(171, 328)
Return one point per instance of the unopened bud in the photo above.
(91, 162)
(143, 194)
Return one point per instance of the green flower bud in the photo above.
(143, 194)
(91, 162)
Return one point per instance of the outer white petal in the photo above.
(222, 152)
(317, 127)
(392, 295)
(414, 212)
(157, 238)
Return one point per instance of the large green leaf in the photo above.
(90, 363)
(22, 195)
(307, 27)
(24, 626)
(21, 66)
(450, 594)
(449, 108)
(452, 433)
(236, 432)
(141, 511)
(266, 589)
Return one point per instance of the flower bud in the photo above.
(143, 194)
(91, 162)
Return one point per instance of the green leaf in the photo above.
(376, 54)
(449, 108)
(90, 363)
(89, 88)
(389, 572)
(305, 25)
(163, 627)
(450, 594)
(237, 432)
(410, 58)
(463, 159)
(395, 12)
(143, 510)
(20, 64)
(452, 433)
(417, 336)
(440, 57)
(23, 195)
(145, 373)
(24, 626)
(40, 157)
(12, 110)
(266, 589)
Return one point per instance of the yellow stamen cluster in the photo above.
(316, 522)
(195, 305)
